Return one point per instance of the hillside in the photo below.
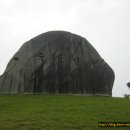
(58, 112)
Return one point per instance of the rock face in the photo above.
(57, 62)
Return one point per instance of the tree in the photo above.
(127, 95)
(128, 85)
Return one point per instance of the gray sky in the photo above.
(105, 23)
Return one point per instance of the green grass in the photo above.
(57, 112)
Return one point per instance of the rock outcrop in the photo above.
(57, 62)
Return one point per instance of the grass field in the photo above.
(58, 112)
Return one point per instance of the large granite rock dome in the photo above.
(57, 62)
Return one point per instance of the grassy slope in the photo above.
(53, 112)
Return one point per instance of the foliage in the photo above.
(128, 84)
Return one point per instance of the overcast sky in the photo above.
(104, 23)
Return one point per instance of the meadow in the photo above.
(61, 112)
